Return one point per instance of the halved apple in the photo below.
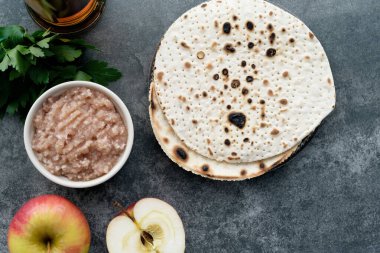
(150, 225)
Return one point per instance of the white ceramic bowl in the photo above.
(29, 131)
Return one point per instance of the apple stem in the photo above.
(120, 207)
(117, 204)
(48, 247)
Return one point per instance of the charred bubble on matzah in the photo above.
(205, 168)
(227, 28)
(235, 84)
(228, 48)
(272, 37)
(271, 52)
(250, 26)
(181, 153)
(238, 119)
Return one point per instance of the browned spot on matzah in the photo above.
(181, 98)
(160, 76)
(185, 45)
(275, 132)
(262, 115)
(283, 101)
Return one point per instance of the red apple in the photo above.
(149, 225)
(49, 224)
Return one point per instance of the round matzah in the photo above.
(292, 92)
(198, 164)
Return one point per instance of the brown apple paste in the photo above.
(79, 134)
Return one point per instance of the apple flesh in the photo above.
(150, 225)
(49, 224)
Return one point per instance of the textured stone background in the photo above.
(324, 200)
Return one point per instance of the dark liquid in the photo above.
(68, 8)
(66, 16)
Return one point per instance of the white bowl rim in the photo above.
(56, 90)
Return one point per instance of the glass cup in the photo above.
(65, 16)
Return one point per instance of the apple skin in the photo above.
(49, 216)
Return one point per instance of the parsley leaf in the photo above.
(100, 72)
(37, 52)
(82, 76)
(14, 75)
(39, 75)
(44, 43)
(12, 35)
(66, 53)
(13, 58)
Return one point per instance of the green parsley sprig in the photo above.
(32, 63)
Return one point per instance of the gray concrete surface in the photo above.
(327, 199)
